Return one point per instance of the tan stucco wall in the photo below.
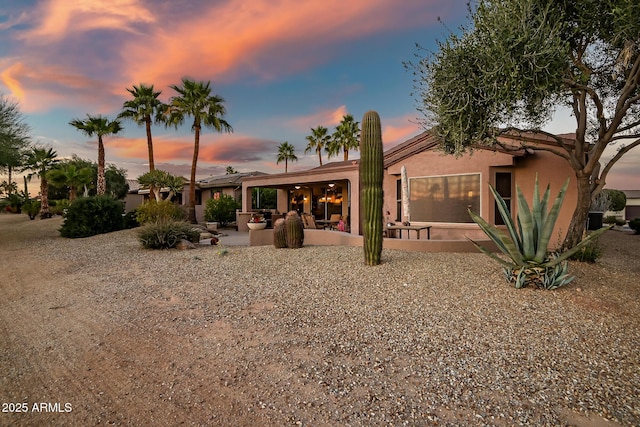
(549, 167)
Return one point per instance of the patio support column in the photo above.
(246, 199)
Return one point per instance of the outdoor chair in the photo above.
(309, 222)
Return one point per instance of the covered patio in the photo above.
(331, 189)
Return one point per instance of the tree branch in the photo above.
(621, 152)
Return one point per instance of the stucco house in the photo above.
(632, 208)
(441, 186)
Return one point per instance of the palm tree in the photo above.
(286, 152)
(346, 137)
(41, 160)
(230, 170)
(68, 175)
(98, 125)
(195, 100)
(144, 108)
(317, 141)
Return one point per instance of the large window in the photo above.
(445, 198)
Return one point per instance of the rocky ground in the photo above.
(99, 331)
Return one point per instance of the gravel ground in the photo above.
(312, 336)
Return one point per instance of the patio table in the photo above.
(417, 229)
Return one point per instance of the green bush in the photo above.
(166, 234)
(589, 253)
(635, 225)
(31, 207)
(59, 207)
(88, 216)
(164, 210)
(221, 210)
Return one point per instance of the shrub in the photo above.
(634, 224)
(164, 210)
(222, 210)
(31, 207)
(589, 253)
(59, 207)
(88, 216)
(166, 234)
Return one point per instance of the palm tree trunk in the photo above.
(102, 184)
(9, 172)
(150, 144)
(192, 184)
(72, 193)
(44, 198)
(346, 154)
(320, 155)
(286, 165)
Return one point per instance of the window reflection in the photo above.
(445, 198)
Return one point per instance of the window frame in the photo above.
(480, 202)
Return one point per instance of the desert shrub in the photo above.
(222, 210)
(164, 210)
(88, 216)
(634, 224)
(589, 253)
(166, 234)
(609, 219)
(59, 207)
(31, 207)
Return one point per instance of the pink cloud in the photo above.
(328, 118)
(263, 38)
(397, 130)
(63, 18)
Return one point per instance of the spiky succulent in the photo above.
(526, 247)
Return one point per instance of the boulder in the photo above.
(184, 244)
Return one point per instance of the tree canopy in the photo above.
(518, 61)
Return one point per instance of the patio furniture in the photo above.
(309, 222)
(417, 229)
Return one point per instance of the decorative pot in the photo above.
(256, 225)
(212, 226)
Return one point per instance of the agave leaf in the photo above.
(506, 218)
(563, 256)
(527, 227)
(492, 255)
(549, 224)
(504, 243)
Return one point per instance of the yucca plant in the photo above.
(529, 261)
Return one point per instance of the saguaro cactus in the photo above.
(279, 234)
(371, 170)
(294, 230)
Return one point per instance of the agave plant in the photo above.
(529, 261)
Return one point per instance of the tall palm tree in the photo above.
(143, 109)
(317, 141)
(41, 160)
(286, 152)
(68, 175)
(98, 125)
(346, 137)
(195, 100)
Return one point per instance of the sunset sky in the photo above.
(283, 67)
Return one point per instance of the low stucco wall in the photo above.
(336, 238)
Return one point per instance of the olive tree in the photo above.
(517, 61)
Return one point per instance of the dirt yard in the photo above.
(98, 331)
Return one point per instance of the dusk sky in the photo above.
(282, 66)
